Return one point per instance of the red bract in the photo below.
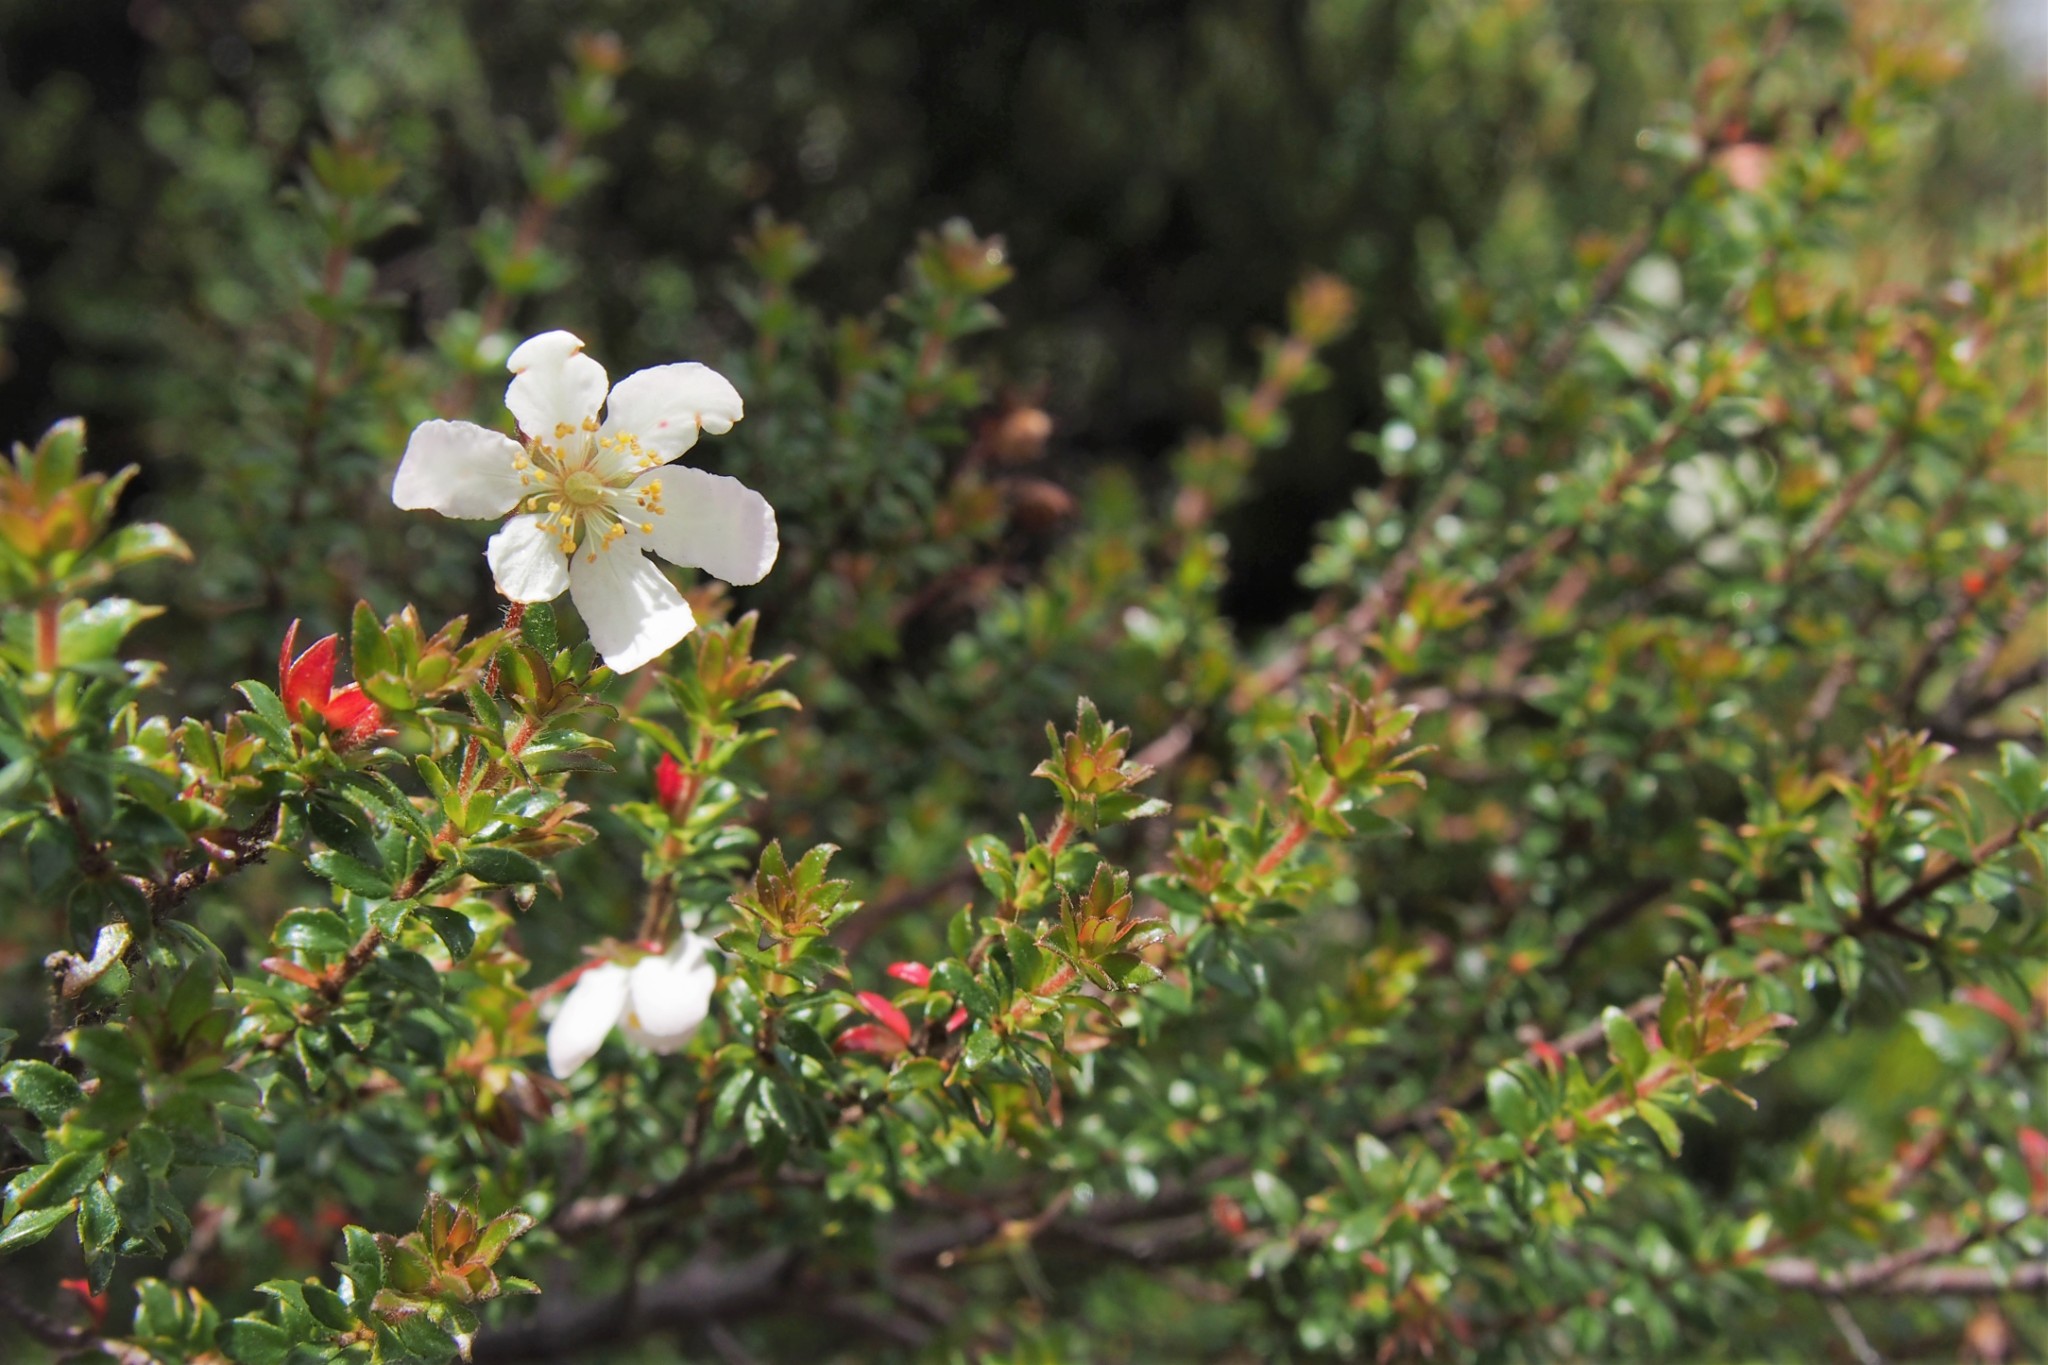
(306, 685)
(957, 1020)
(916, 973)
(892, 1018)
(668, 782)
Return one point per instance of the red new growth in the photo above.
(916, 973)
(891, 1018)
(668, 782)
(868, 1038)
(306, 685)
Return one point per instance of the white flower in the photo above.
(658, 1001)
(591, 496)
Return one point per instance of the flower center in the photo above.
(583, 488)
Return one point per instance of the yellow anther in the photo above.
(646, 528)
(590, 424)
(563, 431)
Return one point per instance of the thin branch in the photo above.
(1915, 1271)
(1885, 917)
(1620, 911)
(602, 1211)
(878, 914)
(707, 1290)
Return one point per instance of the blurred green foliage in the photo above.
(1554, 491)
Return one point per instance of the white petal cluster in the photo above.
(590, 494)
(658, 1002)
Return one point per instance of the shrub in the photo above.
(1603, 923)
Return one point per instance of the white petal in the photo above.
(633, 612)
(711, 522)
(593, 1006)
(527, 560)
(459, 470)
(549, 348)
(669, 998)
(553, 385)
(666, 406)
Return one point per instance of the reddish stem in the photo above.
(47, 615)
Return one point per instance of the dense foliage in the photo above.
(1592, 911)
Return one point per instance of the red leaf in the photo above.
(347, 707)
(868, 1038)
(310, 679)
(957, 1020)
(1995, 1005)
(916, 973)
(891, 1017)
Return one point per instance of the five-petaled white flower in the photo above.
(659, 1001)
(591, 495)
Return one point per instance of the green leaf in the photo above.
(138, 542)
(1282, 1205)
(412, 970)
(329, 1308)
(422, 1338)
(32, 1226)
(41, 1089)
(252, 1341)
(981, 1048)
(1662, 1124)
(499, 1233)
(266, 705)
(60, 1182)
(993, 864)
(350, 874)
(538, 627)
(362, 1261)
(85, 634)
(960, 932)
(313, 931)
(1513, 1107)
(454, 929)
(1625, 1043)
(98, 1224)
(370, 653)
(502, 867)
(916, 1073)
